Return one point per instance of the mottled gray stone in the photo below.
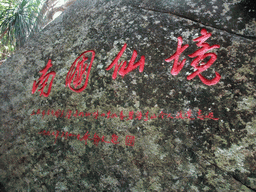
(169, 154)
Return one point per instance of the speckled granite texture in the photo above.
(168, 154)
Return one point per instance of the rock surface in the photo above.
(172, 151)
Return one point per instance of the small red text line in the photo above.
(129, 139)
(129, 116)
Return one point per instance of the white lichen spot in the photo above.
(226, 8)
(239, 19)
(137, 104)
(62, 72)
(100, 66)
(195, 36)
(123, 8)
(247, 103)
(192, 170)
(235, 154)
(186, 34)
(177, 140)
(156, 22)
(209, 13)
(194, 188)
(61, 186)
(172, 92)
(101, 73)
(188, 73)
(228, 18)
(192, 5)
(212, 1)
(250, 127)
(145, 17)
(145, 39)
(155, 90)
(134, 81)
(108, 181)
(66, 129)
(163, 155)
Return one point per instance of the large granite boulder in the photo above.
(75, 116)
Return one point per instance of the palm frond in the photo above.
(20, 21)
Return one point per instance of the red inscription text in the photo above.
(131, 65)
(42, 81)
(80, 71)
(199, 55)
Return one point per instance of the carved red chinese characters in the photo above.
(77, 72)
(78, 75)
(177, 66)
(43, 80)
(199, 55)
(122, 65)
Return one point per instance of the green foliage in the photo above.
(18, 20)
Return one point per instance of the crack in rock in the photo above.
(194, 20)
